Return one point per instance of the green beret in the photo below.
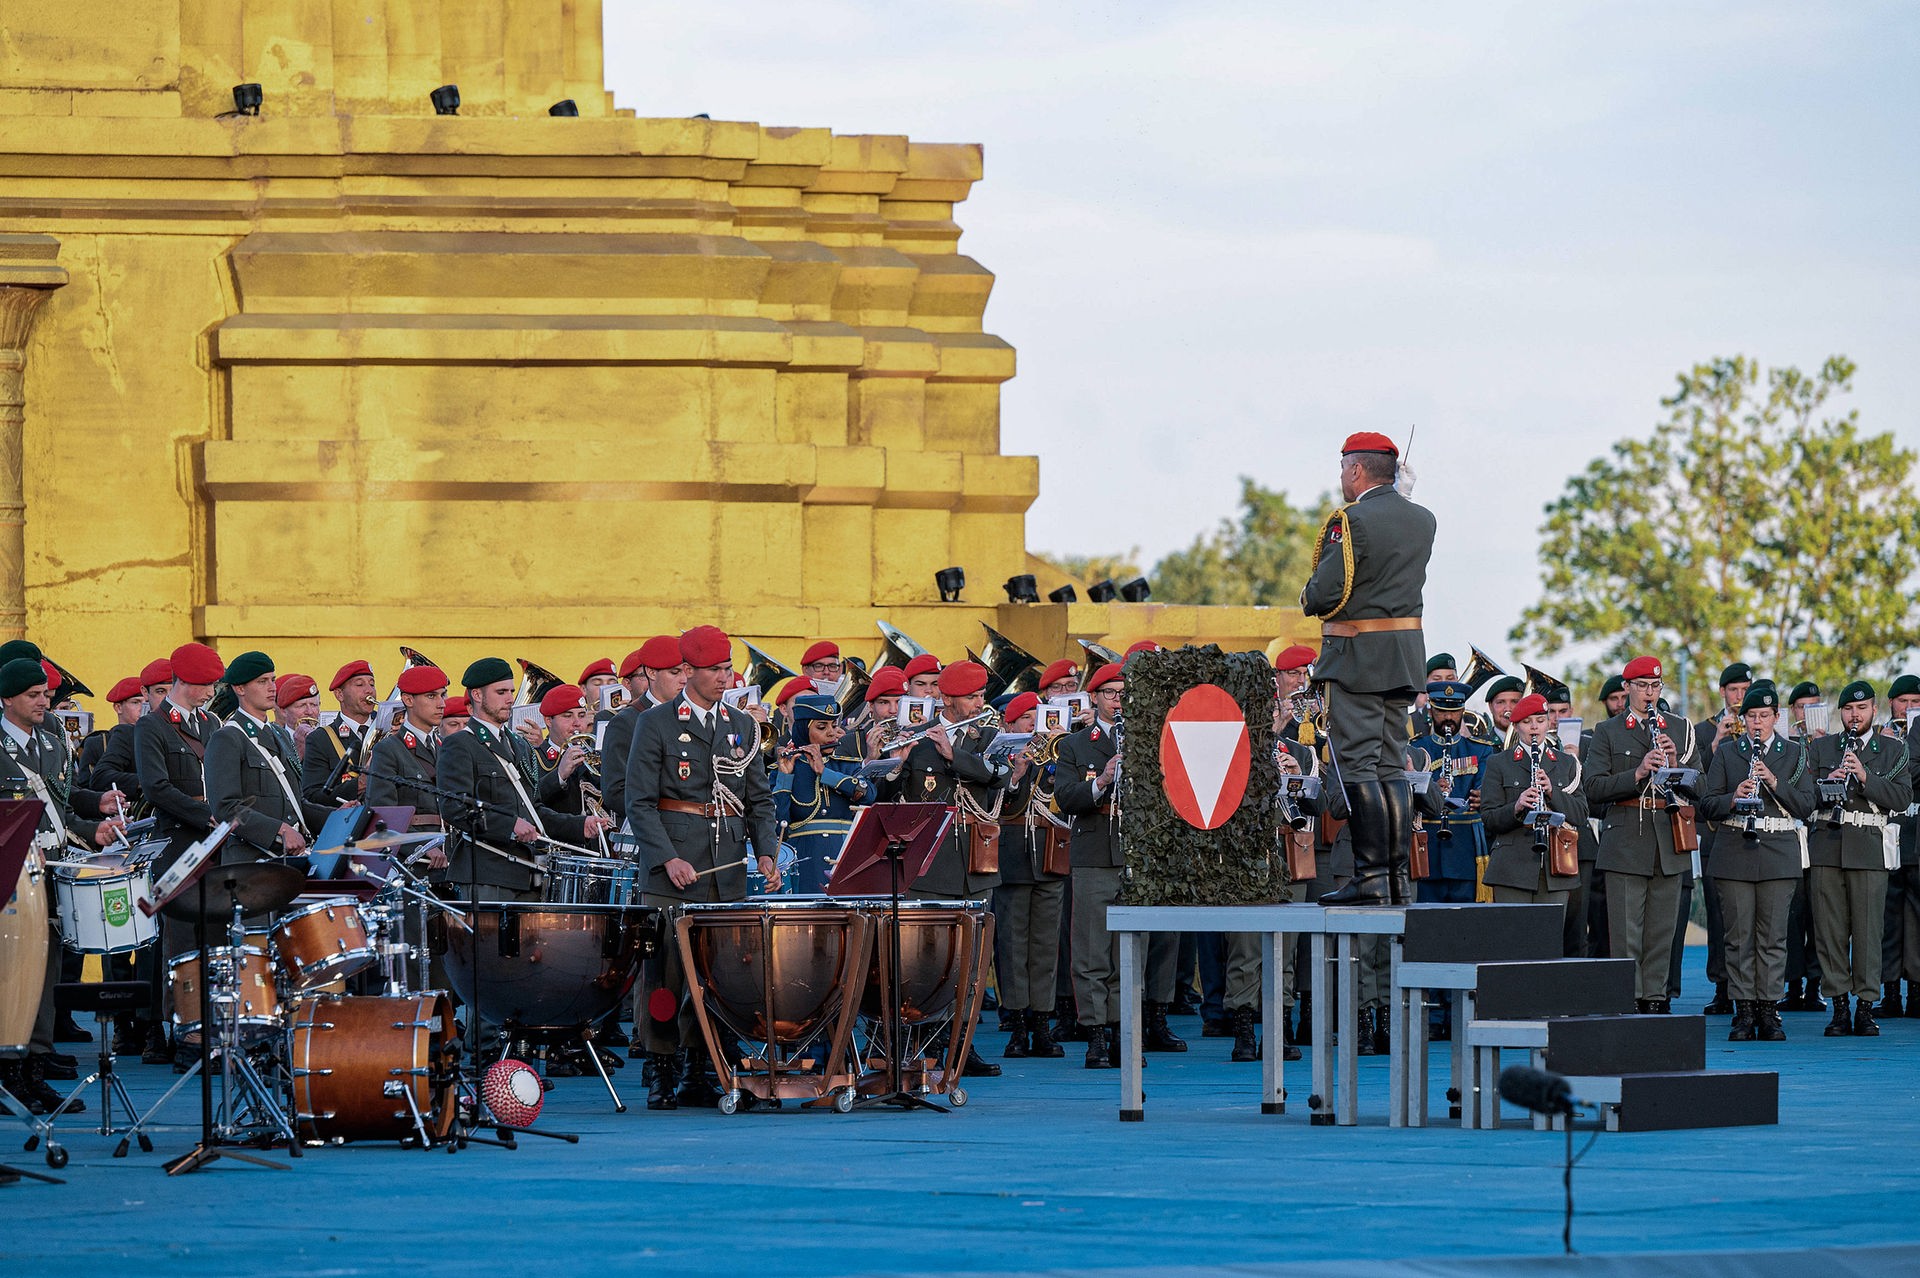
(247, 667)
(1738, 672)
(1905, 686)
(1613, 684)
(1858, 690)
(1761, 696)
(486, 672)
(19, 674)
(1441, 661)
(1505, 683)
(15, 649)
(1802, 690)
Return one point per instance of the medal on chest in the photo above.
(685, 769)
(932, 782)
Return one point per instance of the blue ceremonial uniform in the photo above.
(816, 811)
(1457, 841)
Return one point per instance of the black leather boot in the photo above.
(700, 1089)
(43, 1099)
(1809, 999)
(1018, 1043)
(65, 1031)
(1889, 1002)
(1099, 1050)
(1040, 1042)
(1660, 1006)
(1246, 1047)
(1842, 1023)
(1370, 829)
(1369, 1028)
(1720, 1005)
(1789, 1001)
(1864, 1026)
(661, 1075)
(1304, 1036)
(1743, 1029)
(1399, 806)
(1066, 1025)
(1913, 1001)
(977, 1066)
(1160, 1036)
(1769, 1028)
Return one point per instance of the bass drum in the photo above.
(356, 1061)
(23, 955)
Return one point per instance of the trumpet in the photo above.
(586, 742)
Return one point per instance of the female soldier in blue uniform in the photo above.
(816, 791)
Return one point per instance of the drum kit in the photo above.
(803, 985)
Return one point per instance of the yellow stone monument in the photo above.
(348, 373)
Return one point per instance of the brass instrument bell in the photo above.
(898, 649)
(1010, 668)
(535, 683)
(1481, 669)
(764, 672)
(69, 686)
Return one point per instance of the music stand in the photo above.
(905, 838)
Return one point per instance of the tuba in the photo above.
(1481, 669)
(1538, 681)
(853, 686)
(535, 683)
(413, 657)
(899, 647)
(1010, 668)
(69, 686)
(1098, 654)
(763, 672)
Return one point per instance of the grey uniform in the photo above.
(473, 768)
(928, 777)
(1900, 948)
(324, 748)
(1026, 905)
(243, 787)
(401, 759)
(1755, 877)
(1637, 854)
(1241, 953)
(1849, 863)
(1516, 871)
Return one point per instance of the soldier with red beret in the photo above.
(297, 710)
(1027, 903)
(1369, 572)
(923, 675)
(821, 662)
(351, 736)
(565, 777)
(455, 719)
(106, 760)
(404, 760)
(156, 680)
(653, 674)
(595, 680)
(882, 702)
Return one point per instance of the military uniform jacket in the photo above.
(1023, 841)
(242, 787)
(1887, 790)
(1634, 839)
(48, 757)
(1457, 855)
(1511, 859)
(1370, 562)
(322, 754)
(615, 746)
(167, 746)
(472, 766)
(409, 755)
(1775, 854)
(1909, 820)
(926, 777)
(672, 759)
(1082, 758)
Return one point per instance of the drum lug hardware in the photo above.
(314, 1073)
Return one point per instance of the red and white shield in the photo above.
(1204, 756)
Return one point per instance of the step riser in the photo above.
(1482, 933)
(1564, 987)
(1720, 1098)
(1626, 1044)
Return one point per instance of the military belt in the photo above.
(1872, 820)
(1367, 626)
(709, 810)
(1765, 825)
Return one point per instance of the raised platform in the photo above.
(1035, 1175)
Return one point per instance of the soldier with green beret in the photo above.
(1802, 992)
(252, 779)
(1900, 947)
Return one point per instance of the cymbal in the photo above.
(259, 886)
(380, 842)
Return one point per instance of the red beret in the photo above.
(1368, 441)
(1528, 706)
(1022, 704)
(705, 646)
(159, 670)
(1642, 668)
(1144, 645)
(1106, 674)
(351, 670)
(126, 690)
(457, 708)
(925, 663)
(289, 688)
(792, 688)
(1298, 657)
(53, 676)
(418, 679)
(562, 699)
(820, 651)
(662, 652)
(600, 667)
(887, 681)
(1054, 673)
(963, 679)
(197, 663)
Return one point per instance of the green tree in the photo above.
(1092, 568)
(1260, 556)
(1756, 523)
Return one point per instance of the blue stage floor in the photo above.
(1035, 1174)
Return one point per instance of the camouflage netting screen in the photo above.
(1170, 862)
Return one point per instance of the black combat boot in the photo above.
(1040, 1042)
(1743, 1029)
(1369, 1044)
(1018, 1043)
(1720, 1005)
(1370, 828)
(1099, 1050)
(1889, 1001)
(1789, 1001)
(700, 1089)
(1304, 1036)
(1160, 1036)
(1770, 1029)
(1399, 808)
(1913, 1001)
(1842, 1023)
(43, 1099)
(65, 1031)
(1864, 1026)
(1066, 1025)
(977, 1066)
(1245, 1046)
(1660, 1006)
(661, 1074)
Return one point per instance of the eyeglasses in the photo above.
(1646, 685)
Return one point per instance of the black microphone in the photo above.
(339, 771)
(1536, 1090)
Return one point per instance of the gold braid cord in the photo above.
(724, 799)
(1338, 517)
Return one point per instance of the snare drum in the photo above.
(321, 943)
(251, 982)
(356, 1060)
(592, 880)
(96, 898)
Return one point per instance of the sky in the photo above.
(1226, 236)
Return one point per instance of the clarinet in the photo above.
(1750, 809)
(1445, 828)
(1537, 776)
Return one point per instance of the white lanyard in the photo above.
(280, 772)
(513, 776)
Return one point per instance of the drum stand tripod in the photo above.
(103, 999)
(896, 1095)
